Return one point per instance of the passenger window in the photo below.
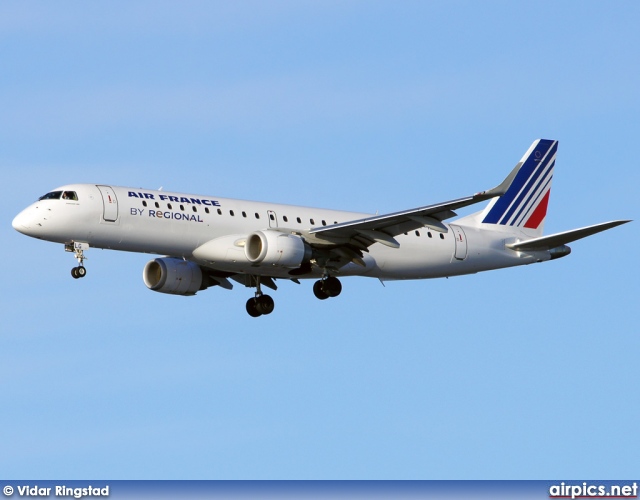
(324, 223)
(257, 215)
(441, 236)
(144, 203)
(417, 233)
(194, 208)
(312, 223)
(157, 204)
(285, 218)
(219, 212)
(298, 219)
(231, 213)
(272, 217)
(182, 207)
(169, 206)
(206, 209)
(429, 234)
(244, 214)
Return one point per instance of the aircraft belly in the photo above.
(422, 258)
(417, 258)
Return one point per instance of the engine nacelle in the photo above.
(174, 276)
(272, 248)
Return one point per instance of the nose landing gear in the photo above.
(78, 252)
(78, 272)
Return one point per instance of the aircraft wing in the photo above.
(383, 228)
(558, 239)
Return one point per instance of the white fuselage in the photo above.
(173, 224)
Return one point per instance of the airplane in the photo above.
(207, 241)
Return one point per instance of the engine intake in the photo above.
(174, 276)
(271, 248)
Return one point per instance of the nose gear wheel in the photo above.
(79, 272)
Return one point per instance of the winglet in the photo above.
(504, 185)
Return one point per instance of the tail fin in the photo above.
(524, 205)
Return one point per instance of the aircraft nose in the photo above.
(22, 222)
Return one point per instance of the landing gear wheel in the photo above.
(252, 308)
(81, 271)
(74, 273)
(318, 290)
(264, 304)
(332, 286)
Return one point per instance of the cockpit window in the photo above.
(54, 195)
(70, 195)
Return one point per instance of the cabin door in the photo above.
(461, 242)
(109, 203)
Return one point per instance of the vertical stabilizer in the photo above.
(524, 205)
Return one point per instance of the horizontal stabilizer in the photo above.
(558, 239)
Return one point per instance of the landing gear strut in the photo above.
(328, 287)
(260, 304)
(78, 252)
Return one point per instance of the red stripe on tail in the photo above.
(539, 213)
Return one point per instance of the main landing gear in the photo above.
(260, 304)
(328, 287)
(78, 252)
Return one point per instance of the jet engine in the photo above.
(174, 276)
(272, 248)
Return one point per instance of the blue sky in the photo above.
(525, 373)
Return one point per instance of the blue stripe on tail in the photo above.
(536, 172)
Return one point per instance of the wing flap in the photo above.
(380, 237)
